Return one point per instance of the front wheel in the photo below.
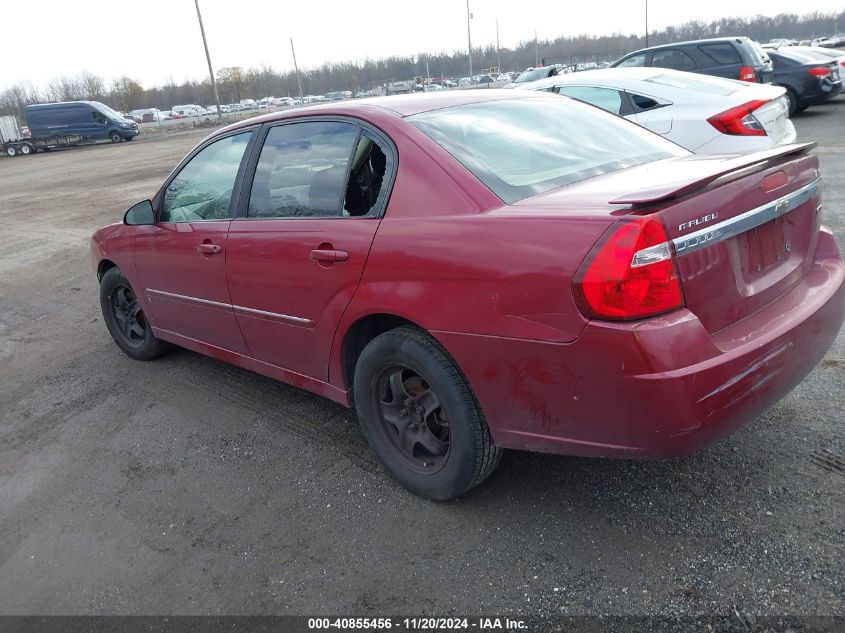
(125, 318)
(792, 100)
(114, 137)
(420, 417)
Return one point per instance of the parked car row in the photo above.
(809, 76)
(706, 115)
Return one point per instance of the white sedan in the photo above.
(706, 115)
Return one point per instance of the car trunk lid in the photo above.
(743, 237)
(743, 229)
(774, 117)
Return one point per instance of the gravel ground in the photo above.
(188, 486)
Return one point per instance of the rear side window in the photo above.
(672, 58)
(632, 61)
(723, 53)
(605, 98)
(643, 103)
(302, 170)
(522, 147)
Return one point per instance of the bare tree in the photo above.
(64, 88)
(91, 86)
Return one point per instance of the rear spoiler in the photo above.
(703, 175)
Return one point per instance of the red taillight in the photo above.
(739, 120)
(746, 73)
(819, 71)
(630, 274)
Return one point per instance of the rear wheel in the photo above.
(27, 149)
(114, 137)
(420, 417)
(125, 318)
(11, 151)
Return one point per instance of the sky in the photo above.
(155, 40)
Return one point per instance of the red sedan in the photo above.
(482, 270)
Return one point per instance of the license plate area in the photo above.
(765, 246)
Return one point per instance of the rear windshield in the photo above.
(532, 75)
(522, 147)
(688, 81)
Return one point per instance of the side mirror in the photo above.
(140, 214)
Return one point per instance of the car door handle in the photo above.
(327, 255)
(206, 248)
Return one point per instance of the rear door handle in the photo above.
(326, 255)
(207, 248)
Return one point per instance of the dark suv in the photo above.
(729, 57)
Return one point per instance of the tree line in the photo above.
(236, 83)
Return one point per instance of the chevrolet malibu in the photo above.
(485, 270)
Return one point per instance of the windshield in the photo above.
(109, 112)
(522, 147)
(532, 75)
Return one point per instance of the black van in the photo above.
(90, 120)
(730, 57)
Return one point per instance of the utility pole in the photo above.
(498, 50)
(210, 68)
(469, 42)
(536, 51)
(646, 23)
(296, 68)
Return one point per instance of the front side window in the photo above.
(605, 98)
(523, 147)
(317, 169)
(203, 189)
(632, 61)
(99, 118)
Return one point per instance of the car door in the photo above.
(181, 259)
(297, 251)
(98, 124)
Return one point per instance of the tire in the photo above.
(11, 151)
(27, 149)
(792, 99)
(450, 446)
(125, 319)
(115, 137)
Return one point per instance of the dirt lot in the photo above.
(187, 486)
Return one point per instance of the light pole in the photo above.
(296, 68)
(646, 23)
(498, 49)
(208, 59)
(469, 42)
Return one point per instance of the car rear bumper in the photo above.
(663, 387)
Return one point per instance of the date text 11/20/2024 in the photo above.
(418, 624)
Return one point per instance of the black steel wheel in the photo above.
(114, 137)
(420, 416)
(125, 318)
(412, 419)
